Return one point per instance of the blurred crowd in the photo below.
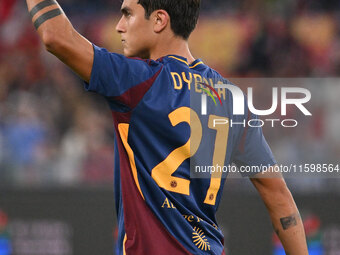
(52, 132)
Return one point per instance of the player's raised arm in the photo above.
(60, 38)
(283, 212)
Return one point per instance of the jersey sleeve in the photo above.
(253, 151)
(114, 74)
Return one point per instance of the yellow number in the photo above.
(220, 150)
(162, 173)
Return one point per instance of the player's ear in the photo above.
(161, 19)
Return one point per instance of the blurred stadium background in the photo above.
(56, 141)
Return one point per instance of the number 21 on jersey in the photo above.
(163, 172)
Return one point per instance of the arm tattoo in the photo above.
(41, 6)
(46, 16)
(289, 221)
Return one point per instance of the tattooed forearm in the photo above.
(47, 15)
(289, 221)
(41, 6)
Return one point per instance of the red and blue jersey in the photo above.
(161, 208)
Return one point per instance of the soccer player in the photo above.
(161, 209)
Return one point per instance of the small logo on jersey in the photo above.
(208, 92)
(200, 240)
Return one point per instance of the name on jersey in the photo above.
(188, 80)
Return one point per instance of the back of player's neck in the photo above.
(178, 48)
